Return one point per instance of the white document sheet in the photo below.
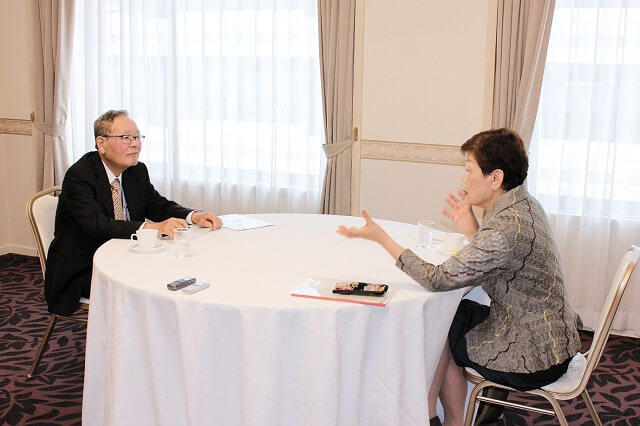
(238, 222)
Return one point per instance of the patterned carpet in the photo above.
(54, 395)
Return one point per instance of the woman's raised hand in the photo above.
(370, 231)
(461, 214)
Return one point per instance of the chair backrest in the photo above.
(41, 211)
(602, 329)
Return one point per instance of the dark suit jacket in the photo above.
(85, 221)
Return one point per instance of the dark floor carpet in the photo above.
(54, 395)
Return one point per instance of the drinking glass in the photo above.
(182, 241)
(425, 233)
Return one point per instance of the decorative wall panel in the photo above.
(12, 126)
(413, 152)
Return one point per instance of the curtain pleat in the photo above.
(522, 37)
(336, 23)
(52, 56)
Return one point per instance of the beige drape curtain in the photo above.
(336, 31)
(53, 46)
(522, 37)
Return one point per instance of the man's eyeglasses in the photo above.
(126, 139)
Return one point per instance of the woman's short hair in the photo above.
(500, 149)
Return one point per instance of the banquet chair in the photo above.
(574, 382)
(41, 211)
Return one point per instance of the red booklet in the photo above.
(323, 288)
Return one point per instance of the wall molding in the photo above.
(411, 152)
(11, 126)
(27, 251)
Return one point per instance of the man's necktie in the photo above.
(118, 212)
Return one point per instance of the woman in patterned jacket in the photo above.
(527, 336)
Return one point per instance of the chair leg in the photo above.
(590, 407)
(556, 408)
(45, 338)
(471, 406)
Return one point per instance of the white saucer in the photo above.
(443, 252)
(440, 249)
(134, 246)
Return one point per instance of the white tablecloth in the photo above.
(244, 351)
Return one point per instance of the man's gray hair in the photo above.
(102, 126)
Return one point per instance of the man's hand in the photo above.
(207, 220)
(166, 227)
(461, 214)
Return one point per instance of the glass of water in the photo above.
(182, 241)
(425, 233)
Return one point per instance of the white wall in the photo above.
(424, 70)
(407, 191)
(17, 155)
(427, 78)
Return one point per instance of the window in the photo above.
(586, 143)
(228, 94)
(585, 149)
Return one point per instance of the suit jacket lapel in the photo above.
(131, 193)
(103, 187)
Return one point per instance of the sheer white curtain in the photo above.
(585, 151)
(227, 93)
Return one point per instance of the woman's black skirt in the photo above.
(470, 314)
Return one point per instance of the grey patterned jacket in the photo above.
(531, 326)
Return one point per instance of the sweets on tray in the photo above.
(360, 288)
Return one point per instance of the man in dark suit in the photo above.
(106, 194)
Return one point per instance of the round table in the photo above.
(244, 351)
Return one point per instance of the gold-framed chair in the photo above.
(574, 382)
(41, 211)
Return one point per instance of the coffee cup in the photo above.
(146, 238)
(453, 242)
